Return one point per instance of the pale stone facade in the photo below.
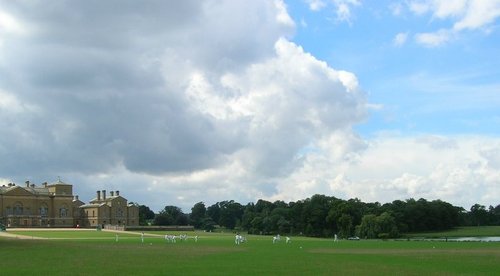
(112, 210)
(54, 205)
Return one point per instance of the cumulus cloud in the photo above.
(460, 170)
(187, 100)
(437, 142)
(464, 14)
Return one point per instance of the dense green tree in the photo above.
(263, 207)
(198, 213)
(368, 229)
(171, 215)
(314, 212)
(345, 225)
(145, 215)
(208, 224)
(248, 215)
(386, 226)
(163, 219)
(382, 226)
(495, 215)
(323, 215)
(257, 225)
(296, 215)
(213, 212)
(230, 213)
(479, 214)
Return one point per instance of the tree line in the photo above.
(324, 216)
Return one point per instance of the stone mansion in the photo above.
(54, 205)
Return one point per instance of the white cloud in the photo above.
(465, 14)
(9, 24)
(203, 103)
(419, 7)
(479, 14)
(206, 103)
(396, 8)
(282, 15)
(439, 8)
(434, 39)
(316, 5)
(462, 173)
(9, 102)
(400, 39)
(437, 142)
(343, 9)
(462, 170)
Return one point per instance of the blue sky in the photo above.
(177, 102)
(452, 88)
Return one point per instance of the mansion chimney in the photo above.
(98, 195)
(27, 184)
(117, 193)
(111, 193)
(103, 194)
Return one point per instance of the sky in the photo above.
(179, 102)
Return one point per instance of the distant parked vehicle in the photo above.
(353, 238)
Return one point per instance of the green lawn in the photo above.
(216, 254)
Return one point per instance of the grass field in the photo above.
(97, 253)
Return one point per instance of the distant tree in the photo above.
(345, 225)
(479, 214)
(368, 229)
(386, 226)
(182, 219)
(257, 226)
(145, 215)
(382, 226)
(213, 212)
(314, 213)
(230, 213)
(323, 216)
(198, 213)
(263, 207)
(162, 219)
(495, 215)
(248, 215)
(208, 224)
(171, 215)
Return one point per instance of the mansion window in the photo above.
(63, 212)
(18, 209)
(44, 211)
